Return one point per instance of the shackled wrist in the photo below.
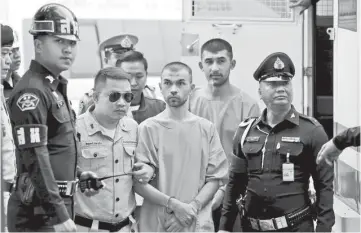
(168, 206)
(197, 204)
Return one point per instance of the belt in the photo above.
(9, 187)
(67, 188)
(111, 227)
(285, 221)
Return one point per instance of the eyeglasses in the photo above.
(115, 96)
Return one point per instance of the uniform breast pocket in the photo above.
(293, 149)
(60, 113)
(253, 151)
(95, 159)
(128, 158)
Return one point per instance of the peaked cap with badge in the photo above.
(276, 67)
(119, 44)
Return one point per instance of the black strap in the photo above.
(86, 222)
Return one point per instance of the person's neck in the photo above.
(136, 100)
(220, 92)
(54, 72)
(276, 114)
(178, 114)
(104, 120)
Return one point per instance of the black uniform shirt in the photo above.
(45, 137)
(261, 158)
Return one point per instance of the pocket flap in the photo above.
(93, 153)
(61, 114)
(252, 148)
(130, 150)
(294, 149)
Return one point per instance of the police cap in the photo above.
(119, 44)
(7, 36)
(276, 67)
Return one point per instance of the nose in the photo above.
(121, 102)
(7, 59)
(214, 66)
(173, 92)
(133, 82)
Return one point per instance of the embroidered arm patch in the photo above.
(27, 101)
(29, 136)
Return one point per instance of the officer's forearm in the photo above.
(236, 186)
(206, 194)
(349, 137)
(41, 174)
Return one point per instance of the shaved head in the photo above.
(175, 67)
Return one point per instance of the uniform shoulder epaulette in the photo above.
(310, 119)
(246, 122)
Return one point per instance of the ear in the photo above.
(106, 60)
(38, 45)
(95, 97)
(233, 64)
(259, 92)
(200, 65)
(160, 85)
(192, 86)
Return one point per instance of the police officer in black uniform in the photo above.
(275, 155)
(44, 133)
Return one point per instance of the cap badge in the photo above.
(278, 65)
(126, 42)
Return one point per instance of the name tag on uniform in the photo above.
(290, 139)
(252, 139)
(288, 172)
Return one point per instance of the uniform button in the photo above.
(266, 169)
(264, 210)
(116, 161)
(117, 180)
(116, 215)
(95, 154)
(117, 199)
(265, 189)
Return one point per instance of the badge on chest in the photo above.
(288, 170)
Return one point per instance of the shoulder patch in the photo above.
(310, 119)
(27, 101)
(246, 122)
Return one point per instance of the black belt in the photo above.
(9, 187)
(282, 222)
(111, 227)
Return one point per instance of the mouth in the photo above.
(120, 111)
(216, 76)
(66, 59)
(281, 97)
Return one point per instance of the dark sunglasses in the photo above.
(115, 96)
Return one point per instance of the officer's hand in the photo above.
(86, 175)
(328, 153)
(303, 4)
(172, 224)
(185, 213)
(67, 226)
(217, 199)
(142, 172)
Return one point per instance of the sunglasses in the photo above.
(115, 96)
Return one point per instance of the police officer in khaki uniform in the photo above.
(113, 49)
(275, 155)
